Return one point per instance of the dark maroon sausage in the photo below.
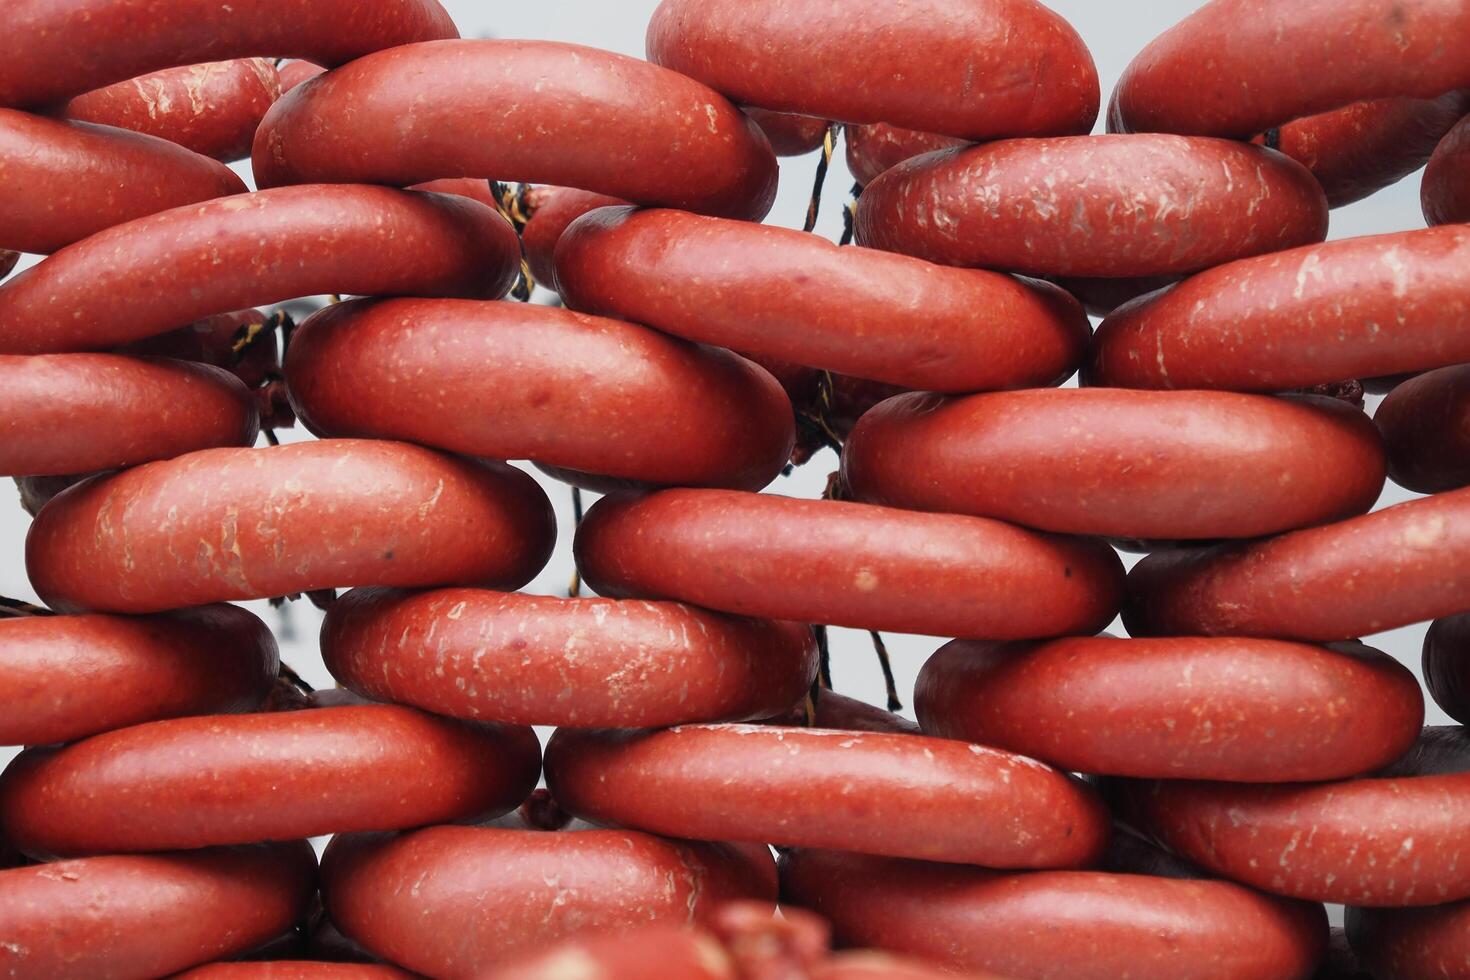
(1235, 68)
(1446, 189)
(552, 210)
(846, 714)
(1404, 564)
(1222, 708)
(1360, 149)
(1112, 206)
(154, 274)
(225, 524)
(1100, 297)
(1353, 308)
(1173, 465)
(1411, 944)
(588, 394)
(852, 310)
(65, 414)
(790, 133)
(52, 51)
(538, 111)
(474, 188)
(1050, 925)
(229, 779)
(8, 260)
(213, 108)
(214, 340)
(62, 181)
(295, 970)
(874, 149)
(535, 660)
(111, 918)
(1388, 841)
(1446, 665)
(823, 561)
(878, 793)
(1426, 428)
(67, 677)
(971, 68)
(451, 901)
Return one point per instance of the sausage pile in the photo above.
(1180, 803)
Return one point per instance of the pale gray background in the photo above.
(1114, 32)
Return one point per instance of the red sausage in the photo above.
(76, 413)
(1426, 428)
(1222, 708)
(876, 148)
(1127, 464)
(1411, 944)
(1357, 307)
(1113, 206)
(52, 51)
(293, 73)
(521, 110)
(867, 965)
(229, 779)
(901, 795)
(295, 970)
(971, 68)
(473, 188)
(1446, 188)
(789, 133)
(67, 677)
(63, 181)
(853, 310)
(1362, 148)
(1404, 564)
(213, 340)
(1235, 68)
(659, 952)
(589, 394)
(836, 711)
(552, 210)
(157, 273)
(110, 918)
(535, 660)
(452, 901)
(213, 108)
(1058, 925)
(1389, 841)
(225, 524)
(1446, 665)
(823, 561)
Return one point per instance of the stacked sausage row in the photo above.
(1242, 727)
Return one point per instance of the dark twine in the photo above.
(513, 205)
(890, 685)
(575, 589)
(829, 146)
(849, 215)
(20, 609)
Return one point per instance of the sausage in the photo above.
(589, 394)
(845, 564)
(473, 188)
(1408, 944)
(226, 524)
(75, 413)
(1110, 206)
(213, 108)
(581, 117)
(273, 776)
(1356, 307)
(451, 901)
(857, 311)
(1100, 297)
(971, 68)
(1446, 665)
(1442, 750)
(1391, 841)
(1360, 149)
(878, 147)
(213, 340)
(68, 677)
(900, 795)
(9, 258)
(293, 73)
(666, 952)
(789, 133)
(1425, 423)
(149, 915)
(552, 210)
(295, 970)
(837, 711)
(63, 181)
(1404, 564)
(1085, 925)
(53, 51)
(869, 965)
(1287, 59)
(1220, 708)
(1172, 465)
(536, 660)
(154, 274)
(1446, 189)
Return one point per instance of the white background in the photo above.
(1114, 31)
